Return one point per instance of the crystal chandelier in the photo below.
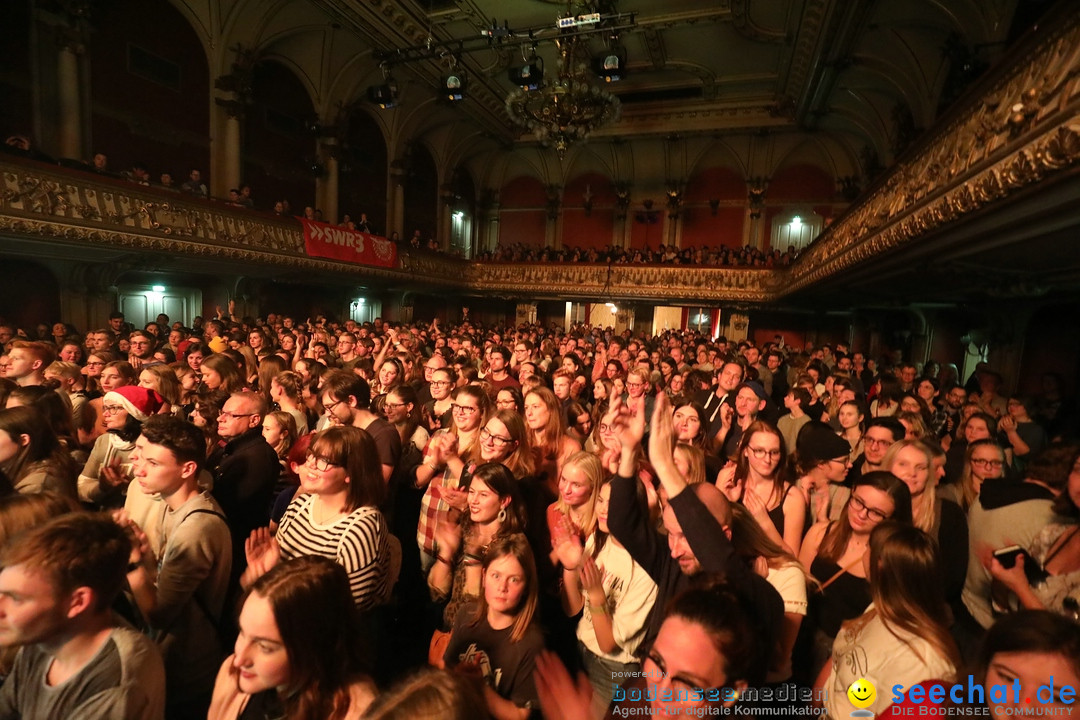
(566, 109)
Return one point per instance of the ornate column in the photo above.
(69, 106)
(622, 227)
(754, 227)
(326, 183)
(445, 216)
(553, 231)
(226, 145)
(395, 201)
(672, 227)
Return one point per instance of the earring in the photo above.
(502, 515)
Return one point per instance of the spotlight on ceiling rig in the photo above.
(610, 65)
(385, 95)
(454, 86)
(528, 76)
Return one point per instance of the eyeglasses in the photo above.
(321, 464)
(329, 407)
(986, 462)
(440, 383)
(872, 513)
(605, 428)
(393, 405)
(760, 453)
(466, 409)
(226, 415)
(95, 364)
(877, 443)
(110, 409)
(635, 385)
(499, 440)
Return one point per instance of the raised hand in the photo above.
(447, 536)
(592, 580)
(561, 697)
(262, 552)
(569, 552)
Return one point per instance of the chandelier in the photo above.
(564, 110)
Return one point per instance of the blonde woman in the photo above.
(913, 462)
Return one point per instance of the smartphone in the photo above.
(1007, 555)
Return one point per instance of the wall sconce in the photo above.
(714, 206)
(586, 200)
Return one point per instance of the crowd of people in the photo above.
(707, 256)
(269, 518)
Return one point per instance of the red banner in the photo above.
(338, 243)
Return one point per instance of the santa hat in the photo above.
(139, 402)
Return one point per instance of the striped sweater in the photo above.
(358, 542)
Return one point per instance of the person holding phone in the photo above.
(1046, 576)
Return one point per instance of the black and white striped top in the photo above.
(357, 542)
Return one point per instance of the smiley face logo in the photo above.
(862, 693)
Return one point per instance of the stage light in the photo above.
(611, 65)
(528, 76)
(385, 95)
(454, 86)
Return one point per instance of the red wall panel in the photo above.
(522, 226)
(592, 231)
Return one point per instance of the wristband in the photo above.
(598, 609)
(440, 558)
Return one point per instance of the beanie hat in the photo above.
(139, 402)
(819, 442)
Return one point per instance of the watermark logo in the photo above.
(862, 694)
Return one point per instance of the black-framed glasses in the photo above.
(499, 440)
(465, 409)
(320, 463)
(985, 462)
(761, 453)
(877, 443)
(440, 383)
(872, 513)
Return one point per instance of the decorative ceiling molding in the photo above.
(1022, 130)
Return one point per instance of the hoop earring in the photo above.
(502, 515)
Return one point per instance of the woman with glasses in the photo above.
(401, 412)
(833, 551)
(903, 635)
(760, 469)
(442, 387)
(510, 398)
(115, 374)
(913, 462)
(550, 443)
(984, 461)
(336, 517)
(445, 459)
(105, 476)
